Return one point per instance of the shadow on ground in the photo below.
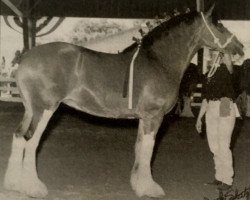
(88, 158)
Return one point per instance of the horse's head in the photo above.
(216, 36)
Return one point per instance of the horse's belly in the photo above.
(110, 105)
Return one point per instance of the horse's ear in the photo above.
(209, 12)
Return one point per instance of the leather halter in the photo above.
(217, 40)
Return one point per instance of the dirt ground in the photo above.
(87, 158)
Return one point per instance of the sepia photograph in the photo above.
(125, 99)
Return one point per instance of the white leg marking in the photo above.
(141, 177)
(31, 184)
(14, 170)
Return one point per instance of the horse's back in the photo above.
(48, 54)
(62, 56)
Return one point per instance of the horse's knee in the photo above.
(214, 149)
(24, 126)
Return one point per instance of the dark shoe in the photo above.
(214, 183)
(224, 187)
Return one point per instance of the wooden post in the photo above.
(31, 32)
(25, 34)
(32, 26)
(200, 8)
(29, 25)
(25, 9)
(200, 5)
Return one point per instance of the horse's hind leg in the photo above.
(141, 177)
(12, 179)
(31, 184)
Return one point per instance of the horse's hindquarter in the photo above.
(45, 73)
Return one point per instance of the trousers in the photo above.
(219, 133)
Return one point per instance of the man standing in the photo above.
(220, 111)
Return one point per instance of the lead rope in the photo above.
(131, 78)
(216, 40)
(215, 65)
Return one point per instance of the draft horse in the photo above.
(92, 82)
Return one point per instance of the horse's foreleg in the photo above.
(12, 179)
(141, 177)
(31, 184)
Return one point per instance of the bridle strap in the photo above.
(217, 40)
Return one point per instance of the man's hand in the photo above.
(198, 125)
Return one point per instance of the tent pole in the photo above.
(200, 8)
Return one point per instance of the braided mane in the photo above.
(164, 28)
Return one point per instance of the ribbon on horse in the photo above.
(129, 79)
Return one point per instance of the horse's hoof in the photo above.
(11, 185)
(146, 187)
(12, 181)
(155, 191)
(35, 189)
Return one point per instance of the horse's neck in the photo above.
(177, 49)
